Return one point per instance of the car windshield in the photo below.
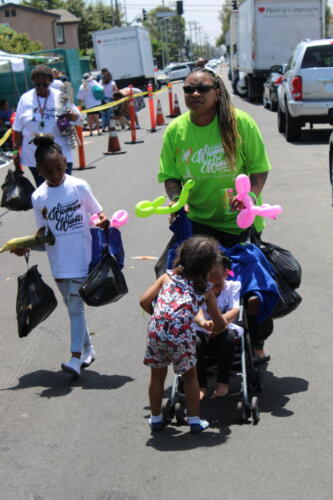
(318, 57)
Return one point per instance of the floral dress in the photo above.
(171, 338)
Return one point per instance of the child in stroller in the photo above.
(230, 350)
(221, 344)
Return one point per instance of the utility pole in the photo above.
(112, 14)
(117, 14)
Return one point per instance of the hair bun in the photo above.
(43, 140)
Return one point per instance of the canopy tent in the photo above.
(16, 62)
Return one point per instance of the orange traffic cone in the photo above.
(114, 144)
(159, 114)
(176, 108)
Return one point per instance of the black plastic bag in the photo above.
(17, 191)
(104, 284)
(283, 262)
(35, 301)
(289, 298)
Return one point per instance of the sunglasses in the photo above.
(41, 84)
(202, 89)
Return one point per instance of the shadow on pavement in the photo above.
(312, 137)
(61, 384)
(173, 438)
(275, 393)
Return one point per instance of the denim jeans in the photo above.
(107, 114)
(69, 289)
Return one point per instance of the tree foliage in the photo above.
(167, 34)
(93, 16)
(17, 43)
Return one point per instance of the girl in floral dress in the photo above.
(179, 295)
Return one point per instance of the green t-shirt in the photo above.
(193, 152)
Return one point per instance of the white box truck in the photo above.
(268, 31)
(127, 54)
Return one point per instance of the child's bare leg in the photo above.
(203, 393)
(192, 392)
(156, 389)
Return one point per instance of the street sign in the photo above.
(171, 13)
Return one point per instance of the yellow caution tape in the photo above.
(5, 137)
(116, 103)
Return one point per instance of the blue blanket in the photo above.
(249, 265)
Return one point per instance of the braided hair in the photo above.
(226, 115)
(45, 147)
(194, 260)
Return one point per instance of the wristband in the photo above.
(15, 152)
(254, 196)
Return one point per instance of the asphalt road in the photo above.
(88, 439)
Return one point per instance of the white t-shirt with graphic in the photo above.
(30, 122)
(86, 95)
(228, 299)
(68, 207)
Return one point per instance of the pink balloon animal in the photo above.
(246, 216)
(118, 219)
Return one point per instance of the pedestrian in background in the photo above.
(37, 113)
(109, 87)
(90, 95)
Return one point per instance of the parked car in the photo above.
(177, 71)
(306, 92)
(330, 154)
(161, 78)
(274, 79)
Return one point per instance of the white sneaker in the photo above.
(73, 367)
(88, 356)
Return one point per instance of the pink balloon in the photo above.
(245, 218)
(119, 218)
(242, 184)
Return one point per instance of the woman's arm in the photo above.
(173, 188)
(151, 293)
(258, 182)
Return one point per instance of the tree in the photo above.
(224, 17)
(93, 17)
(44, 4)
(17, 43)
(167, 34)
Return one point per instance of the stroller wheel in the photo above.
(168, 411)
(180, 413)
(255, 410)
(246, 411)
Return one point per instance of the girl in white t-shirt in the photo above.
(67, 203)
(222, 344)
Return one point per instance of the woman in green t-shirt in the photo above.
(213, 143)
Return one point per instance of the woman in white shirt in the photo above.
(37, 112)
(88, 100)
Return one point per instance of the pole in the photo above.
(170, 99)
(132, 117)
(112, 14)
(151, 107)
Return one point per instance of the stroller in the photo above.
(251, 383)
(243, 367)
